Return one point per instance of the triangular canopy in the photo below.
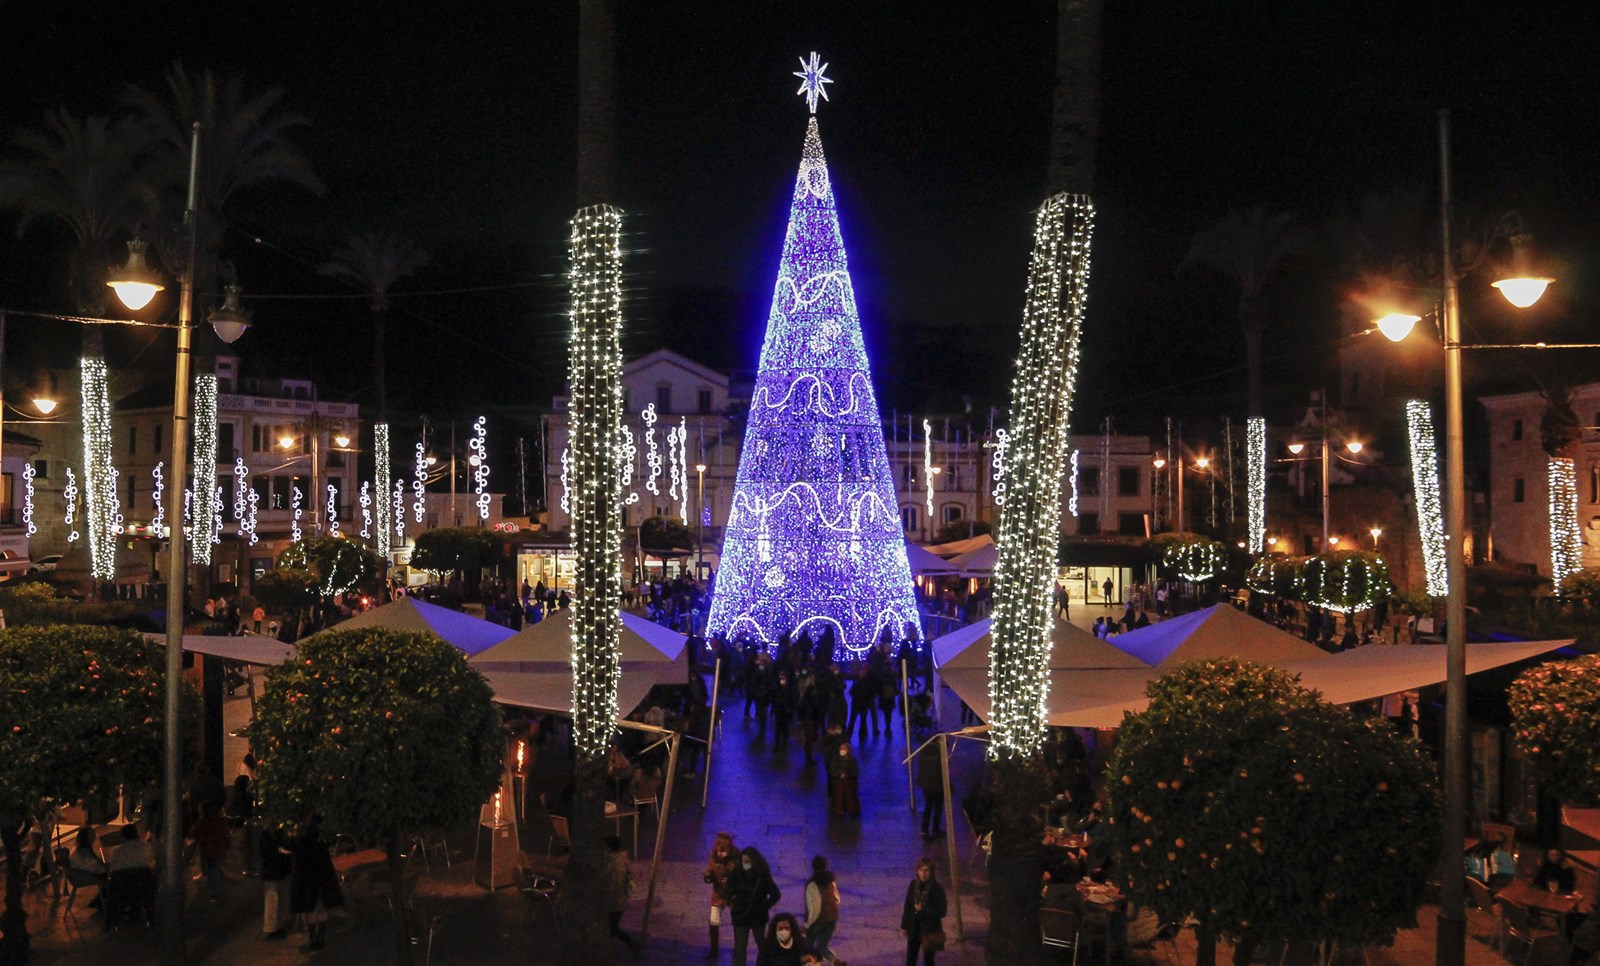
(467, 633)
(550, 642)
(956, 548)
(258, 649)
(1070, 647)
(977, 562)
(923, 562)
(549, 690)
(1215, 632)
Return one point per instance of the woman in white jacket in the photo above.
(822, 908)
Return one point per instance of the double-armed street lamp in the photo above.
(313, 433)
(136, 284)
(1298, 447)
(1202, 464)
(1522, 289)
(700, 523)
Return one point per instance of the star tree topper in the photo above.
(812, 81)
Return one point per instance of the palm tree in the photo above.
(374, 262)
(1247, 248)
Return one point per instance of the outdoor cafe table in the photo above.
(1556, 906)
(350, 863)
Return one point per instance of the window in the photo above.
(1088, 523)
(627, 400)
(663, 399)
(952, 513)
(1130, 524)
(1594, 484)
(41, 469)
(133, 490)
(1518, 490)
(1128, 481)
(704, 401)
(908, 518)
(1516, 429)
(262, 487)
(225, 450)
(1089, 481)
(133, 439)
(157, 435)
(256, 436)
(280, 493)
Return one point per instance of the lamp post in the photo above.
(1521, 291)
(700, 522)
(135, 286)
(1155, 509)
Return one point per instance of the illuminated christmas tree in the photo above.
(813, 539)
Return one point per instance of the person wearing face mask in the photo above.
(922, 917)
(724, 859)
(783, 945)
(751, 896)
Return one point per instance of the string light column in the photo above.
(207, 504)
(1030, 519)
(1566, 541)
(594, 476)
(101, 510)
(1256, 470)
(1425, 484)
(386, 514)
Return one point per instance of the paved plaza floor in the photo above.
(763, 798)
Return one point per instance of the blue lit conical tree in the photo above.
(813, 539)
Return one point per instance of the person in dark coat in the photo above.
(783, 945)
(845, 771)
(276, 867)
(751, 896)
(313, 884)
(930, 781)
(923, 914)
(863, 704)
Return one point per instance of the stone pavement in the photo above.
(765, 799)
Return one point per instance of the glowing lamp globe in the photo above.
(1297, 448)
(1397, 325)
(228, 319)
(45, 405)
(1160, 463)
(341, 441)
(135, 282)
(1202, 462)
(286, 441)
(1355, 446)
(1523, 292)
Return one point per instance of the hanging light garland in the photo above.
(158, 485)
(672, 461)
(28, 473)
(216, 513)
(595, 409)
(333, 511)
(1425, 484)
(683, 468)
(366, 509)
(385, 516)
(1195, 558)
(1256, 471)
(927, 463)
(1030, 519)
(1566, 542)
(479, 447)
(566, 477)
(295, 498)
(69, 495)
(1072, 500)
(399, 512)
(626, 459)
(419, 484)
(653, 453)
(208, 503)
(813, 539)
(1002, 442)
(100, 507)
(1273, 575)
(245, 500)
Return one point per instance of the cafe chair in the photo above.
(1524, 927)
(1095, 932)
(540, 891)
(425, 842)
(423, 927)
(1487, 903)
(647, 791)
(1058, 929)
(561, 833)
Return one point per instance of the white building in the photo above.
(1519, 478)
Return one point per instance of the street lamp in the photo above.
(700, 523)
(1521, 291)
(1376, 533)
(136, 284)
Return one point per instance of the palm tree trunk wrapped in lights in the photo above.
(1030, 519)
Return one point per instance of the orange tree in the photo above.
(1240, 798)
(1555, 709)
(385, 733)
(81, 714)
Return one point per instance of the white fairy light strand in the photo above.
(295, 498)
(625, 462)
(683, 468)
(1072, 499)
(1030, 522)
(1256, 472)
(366, 509)
(652, 451)
(400, 512)
(480, 465)
(419, 484)
(1425, 484)
(927, 464)
(333, 511)
(1566, 541)
(241, 484)
(100, 509)
(386, 516)
(158, 485)
(595, 409)
(1002, 442)
(566, 480)
(208, 505)
(216, 513)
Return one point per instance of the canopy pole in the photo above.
(950, 837)
(905, 721)
(711, 724)
(661, 832)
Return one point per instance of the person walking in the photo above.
(724, 859)
(888, 698)
(922, 916)
(276, 865)
(751, 896)
(1105, 589)
(822, 908)
(782, 945)
(845, 770)
(930, 780)
(619, 884)
(211, 836)
(863, 704)
(314, 884)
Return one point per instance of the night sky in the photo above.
(455, 126)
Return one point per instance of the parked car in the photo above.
(45, 564)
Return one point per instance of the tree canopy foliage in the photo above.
(338, 564)
(1555, 710)
(1241, 798)
(447, 550)
(665, 533)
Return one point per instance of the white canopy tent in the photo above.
(1218, 631)
(977, 562)
(470, 634)
(550, 640)
(957, 547)
(923, 562)
(257, 649)
(1070, 647)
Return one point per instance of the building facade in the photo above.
(1519, 508)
